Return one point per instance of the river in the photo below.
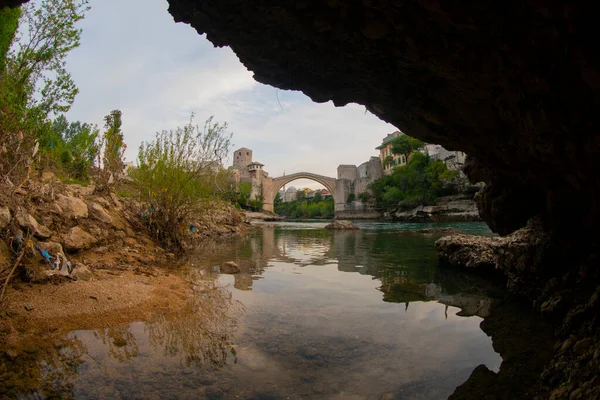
(312, 314)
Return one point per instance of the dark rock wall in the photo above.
(513, 84)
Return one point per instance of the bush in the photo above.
(179, 173)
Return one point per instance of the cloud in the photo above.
(158, 72)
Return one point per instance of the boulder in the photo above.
(77, 239)
(81, 273)
(230, 267)
(72, 207)
(52, 247)
(80, 190)
(342, 224)
(28, 222)
(99, 213)
(4, 217)
(469, 251)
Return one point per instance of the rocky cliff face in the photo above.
(513, 85)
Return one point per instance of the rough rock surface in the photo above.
(469, 251)
(259, 216)
(72, 207)
(98, 212)
(51, 247)
(77, 239)
(342, 224)
(28, 222)
(230, 267)
(448, 210)
(4, 217)
(521, 257)
(81, 272)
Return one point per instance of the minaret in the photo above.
(283, 198)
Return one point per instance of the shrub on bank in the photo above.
(178, 175)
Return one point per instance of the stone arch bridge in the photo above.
(270, 187)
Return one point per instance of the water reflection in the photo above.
(201, 332)
(303, 318)
(403, 262)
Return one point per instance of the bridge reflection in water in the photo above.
(407, 272)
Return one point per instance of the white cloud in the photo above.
(135, 58)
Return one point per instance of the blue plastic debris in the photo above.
(192, 228)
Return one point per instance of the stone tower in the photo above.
(242, 158)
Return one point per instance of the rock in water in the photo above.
(230, 267)
(478, 252)
(342, 224)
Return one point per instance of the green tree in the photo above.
(9, 22)
(178, 175)
(300, 194)
(277, 199)
(318, 197)
(111, 150)
(405, 145)
(34, 82)
(36, 63)
(244, 191)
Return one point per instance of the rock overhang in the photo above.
(515, 85)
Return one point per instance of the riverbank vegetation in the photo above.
(316, 207)
(179, 173)
(420, 182)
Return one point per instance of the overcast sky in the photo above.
(135, 58)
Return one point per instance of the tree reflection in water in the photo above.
(201, 333)
(120, 341)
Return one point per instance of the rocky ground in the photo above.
(567, 298)
(119, 274)
(448, 209)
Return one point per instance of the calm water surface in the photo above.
(312, 314)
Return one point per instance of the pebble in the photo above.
(28, 307)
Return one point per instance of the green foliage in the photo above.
(300, 195)
(110, 152)
(277, 198)
(179, 173)
(318, 196)
(9, 22)
(351, 197)
(421, 181)
(72, 146)
(243, 200)
(405, 145)
(365, 197)
(304, 208)
(34, 82)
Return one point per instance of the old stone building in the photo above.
(245, 170)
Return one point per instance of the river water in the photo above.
(312, 314)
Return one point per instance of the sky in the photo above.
(135, 58)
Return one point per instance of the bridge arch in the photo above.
(272, 185)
